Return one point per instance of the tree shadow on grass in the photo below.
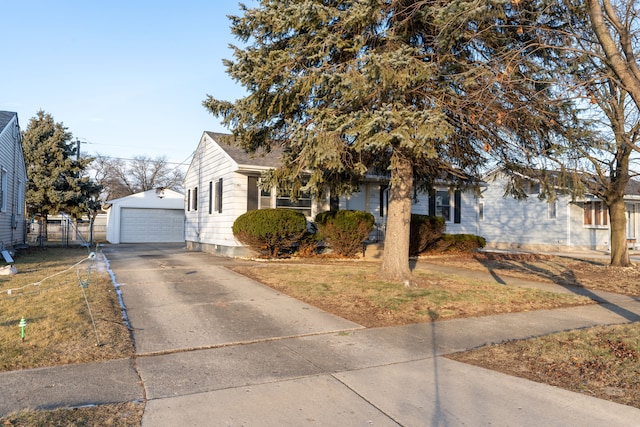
(557, 273)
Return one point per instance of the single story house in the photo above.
(13, 182)
(222, 184)
(562, 224)
(153, 216)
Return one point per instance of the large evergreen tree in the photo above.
(410, 89)
(57, 182)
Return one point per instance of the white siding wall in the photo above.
(368, 199)
(520, 223)
(12, 161)
(210, 164)
(583, 237)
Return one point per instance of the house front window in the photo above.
(302, 204)
(443, 206)
(265, 198)
(631, 223)
(595, 214)
(552, 210)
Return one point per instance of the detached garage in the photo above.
(154, 216)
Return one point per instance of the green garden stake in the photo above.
(22, 324)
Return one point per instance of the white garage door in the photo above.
(151, 225)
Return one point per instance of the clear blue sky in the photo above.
(128, 77)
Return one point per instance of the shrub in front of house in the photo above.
(459, 243)
(345, 231)
(425, 231)
(270, 231)
(308, 245)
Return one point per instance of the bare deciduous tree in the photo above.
(121, 178)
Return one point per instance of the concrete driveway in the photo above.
(215, 348)
(178, 300)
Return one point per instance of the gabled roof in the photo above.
(5, 118)
(158, 197)
(244, 160)
(632, 188)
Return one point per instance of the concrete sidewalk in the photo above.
(215, 348)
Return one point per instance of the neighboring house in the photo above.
(222, 184)
(563, 224)
(13, 181)
(153, 216)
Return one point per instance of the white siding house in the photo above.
(222, 184)
(153, 216)
(459, 208)
(13, 182)
(535, 224)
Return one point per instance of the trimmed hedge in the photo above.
(345, 230)
(270, 231)
(459, 243)
(425, 231)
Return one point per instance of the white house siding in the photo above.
(586, 237)
(369, 199)
(512, 223)
(469, 215)
(212, 232)
(12, 217)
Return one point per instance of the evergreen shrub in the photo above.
(459, 243)
(270, 231)
(425, 231)
(345, 230)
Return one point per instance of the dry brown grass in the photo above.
(127, 414)
(353, 291)
(47, 293)
(603, 362)
(589, 273)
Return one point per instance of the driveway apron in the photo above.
(179, 300)
(216, 348)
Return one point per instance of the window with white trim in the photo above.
(443, 205)
(552, 210)
(195, 199)
(265, 198)
(595, 214)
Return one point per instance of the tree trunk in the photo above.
(395, 258)
(618, 225)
